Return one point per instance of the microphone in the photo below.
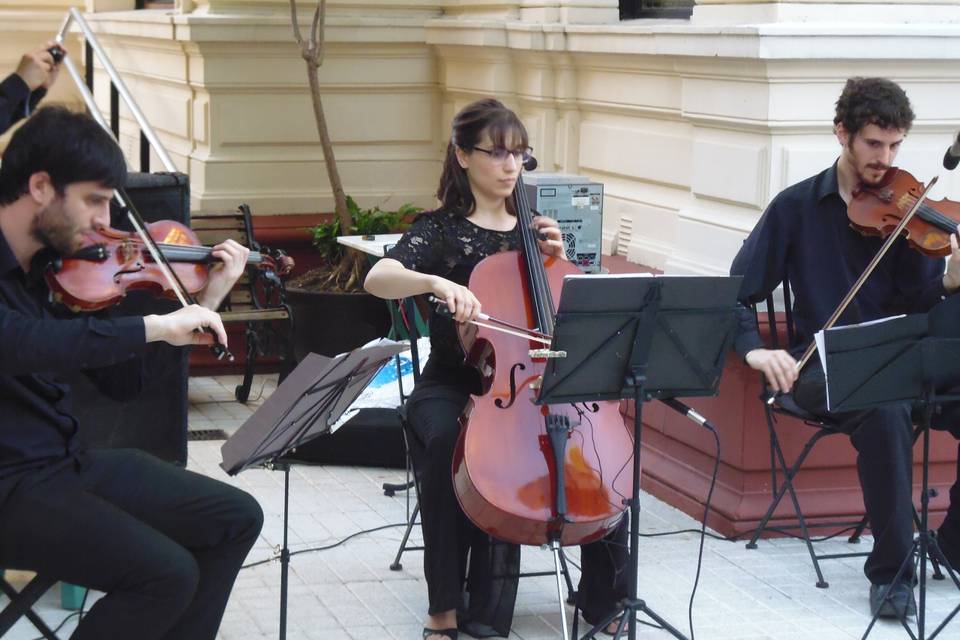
(688, 412)
(531, 163)
(952, 156)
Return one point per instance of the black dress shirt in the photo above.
(16, 100)
(804, 234)
(37, 429)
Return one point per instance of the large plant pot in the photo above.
(331, 323)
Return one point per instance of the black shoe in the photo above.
(898, 604)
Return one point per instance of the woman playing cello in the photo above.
(435, 256)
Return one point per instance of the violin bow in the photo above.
(171, 276)
(119, 194)
(492, 323)
(866, 272)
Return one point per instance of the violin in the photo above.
(112, 262)
(895, 207)
(522, 472)
(878, 209)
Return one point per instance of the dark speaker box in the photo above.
(156, 420)
(372, 438)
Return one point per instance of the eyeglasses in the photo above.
(500, 155)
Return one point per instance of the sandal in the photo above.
(605, 630)
(447, 633)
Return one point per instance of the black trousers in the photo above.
(165, 544)
(433, 412)
(883, 438)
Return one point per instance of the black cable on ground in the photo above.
(78, 614)
(742, 536)
(703, 526)
(326, 547)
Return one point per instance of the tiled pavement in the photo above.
(349, 591)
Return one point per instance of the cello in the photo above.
(525, 473)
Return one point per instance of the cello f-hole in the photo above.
(513, 387)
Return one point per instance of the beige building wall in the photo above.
(227, 91)
(692, 125)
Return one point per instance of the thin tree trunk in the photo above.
(333, 174)
(312, 52)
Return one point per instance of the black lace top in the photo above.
(448, 245)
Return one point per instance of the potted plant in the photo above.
(331, 311)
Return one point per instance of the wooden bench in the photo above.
(259, 297)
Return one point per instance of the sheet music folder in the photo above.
(600, 318)
(305, 404)
(889, 362)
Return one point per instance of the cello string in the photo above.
(540, 291)
(531, 256)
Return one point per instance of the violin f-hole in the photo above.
(119, 274)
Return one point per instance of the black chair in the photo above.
(405, 327)
(413, 482)
(21, 604)
(779, 467)
(784, 405)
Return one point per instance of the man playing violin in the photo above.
(163, 543)
(805, 233)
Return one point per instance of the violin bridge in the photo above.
(546, 353)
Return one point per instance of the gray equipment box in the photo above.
(576, 203)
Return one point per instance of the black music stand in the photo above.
(642, 338)
(901, 360)
(305, 405)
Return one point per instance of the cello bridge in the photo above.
(546, 353)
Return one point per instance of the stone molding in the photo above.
(693, 125)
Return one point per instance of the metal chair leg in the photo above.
(789, 473)
(855, 536)
(21, 603)
(396, 565)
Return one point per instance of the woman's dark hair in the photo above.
(71, 147)
(873, 101)
(483, 116)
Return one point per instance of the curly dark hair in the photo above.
(876, 101)
(71, 147)
(483, 116)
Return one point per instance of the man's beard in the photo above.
(868, 180)
(54, 229)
